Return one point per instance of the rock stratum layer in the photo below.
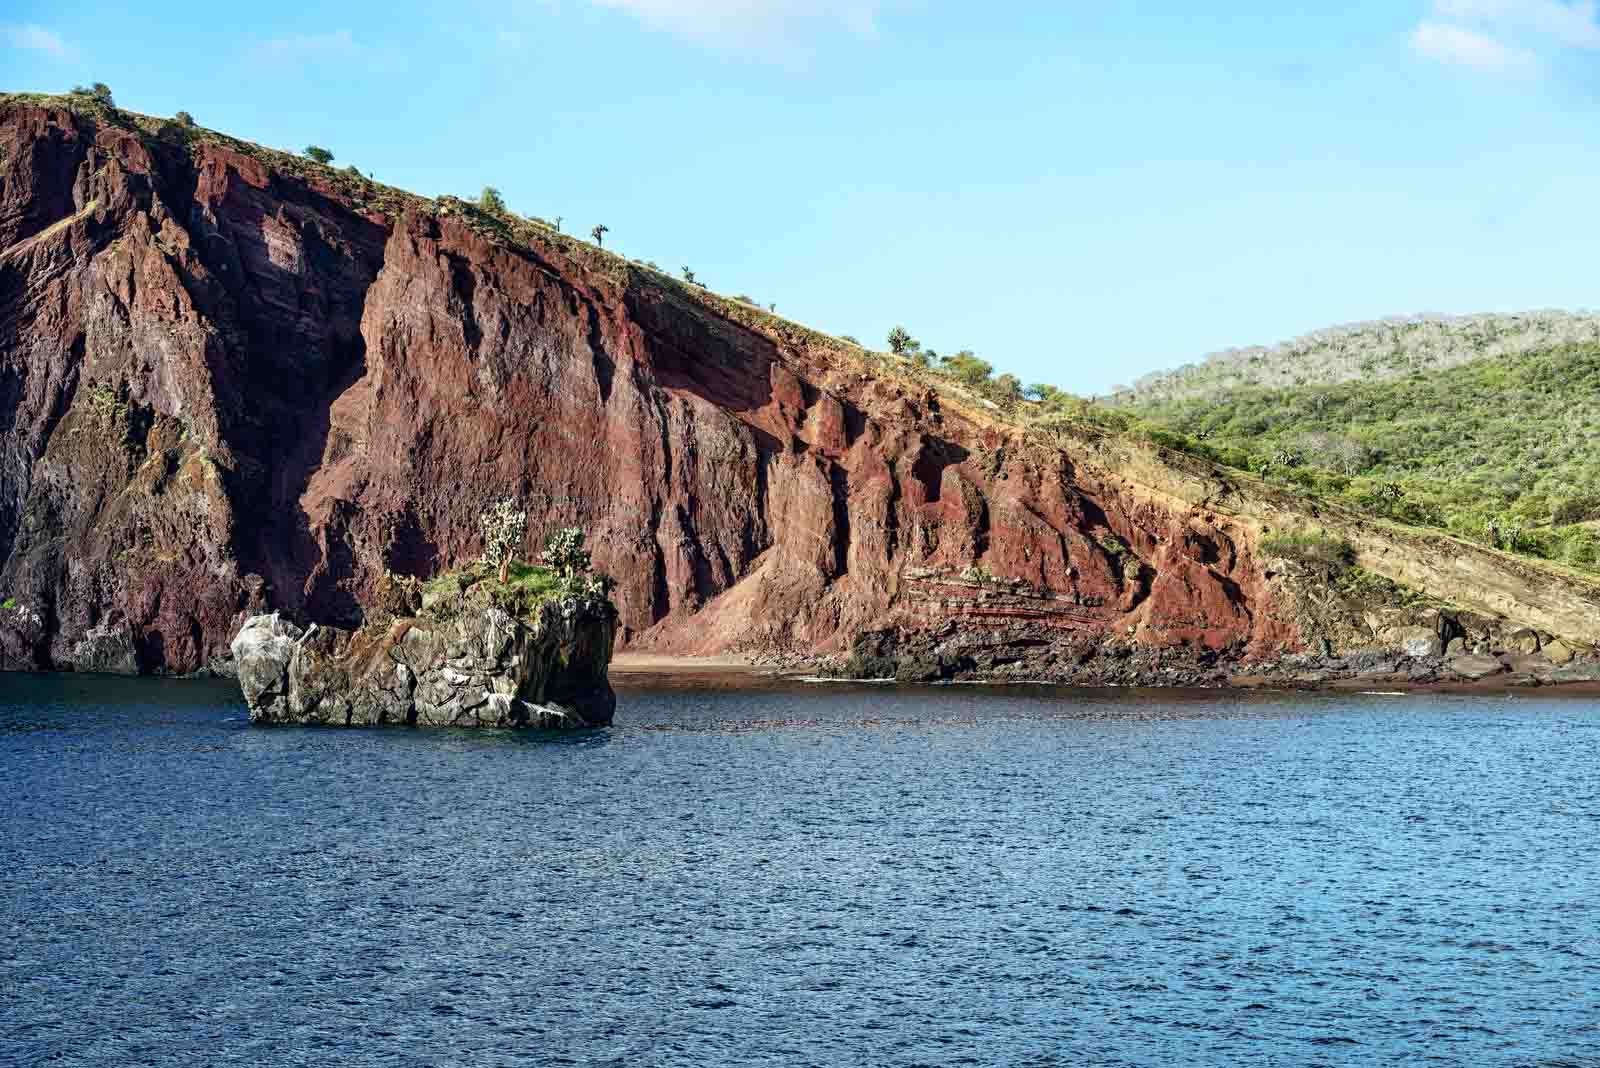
(231, 387)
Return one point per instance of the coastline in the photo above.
(654, 670)
(646, 670)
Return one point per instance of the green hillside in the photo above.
(1501, 450)
(1365, 352)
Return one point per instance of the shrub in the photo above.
(1112, 546)
(183, 118)
(100, 92)
(1311, 547)
(1336, 452)
(901, 341)
(1167, 439)
(490, 201)
(1564, 511)
(1581, 549)
(966, 367)
(564, 553)
(319, 154)
(591, 586)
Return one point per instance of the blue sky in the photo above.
(1080, 192)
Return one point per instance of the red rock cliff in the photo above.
(225, 388)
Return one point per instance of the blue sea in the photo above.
(800, 875)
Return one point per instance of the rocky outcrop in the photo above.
(106, 650)
(480, 668)
(232, 383)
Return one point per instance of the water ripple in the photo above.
(839, 876)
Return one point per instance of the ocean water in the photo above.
(803, 876)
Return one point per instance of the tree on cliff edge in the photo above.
(100, 91)
(319, 154)
(504, 528)
(901, 342)
(491, 201)
(599, 233)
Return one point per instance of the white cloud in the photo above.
(749, 21)
(1447, 43)
(1569, 22)
(334, 44)
(37, 39)
(1506, 36)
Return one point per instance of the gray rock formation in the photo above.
(481, 667)
(107, 650)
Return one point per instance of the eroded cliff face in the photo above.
(226, 390)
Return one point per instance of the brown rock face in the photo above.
(225, 390)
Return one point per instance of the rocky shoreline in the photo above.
(1019, 655)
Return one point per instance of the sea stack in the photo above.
(468, 658)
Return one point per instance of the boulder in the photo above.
(106, 650)
(1577, 671)
(1559, 653)
(1475, 667)
(1418, 642)
(1525, 663)
(1522, 641)
(262, 652)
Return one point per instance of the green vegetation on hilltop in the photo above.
(1311, 547)
(1505, 451)
(526, 587)
(565, 572)
(1365, 352)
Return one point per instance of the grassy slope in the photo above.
(1511, 444)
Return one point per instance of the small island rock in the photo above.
(478, 667)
